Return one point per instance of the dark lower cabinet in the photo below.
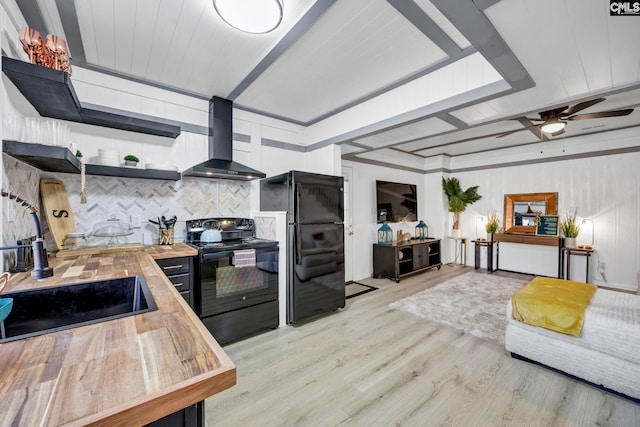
(191, 416)
(400, 259)
(180, 272)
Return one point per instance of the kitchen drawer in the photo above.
(172, 266)
(182, 282)
(187, 297)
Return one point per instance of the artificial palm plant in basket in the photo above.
(570, 230)
(458, 199)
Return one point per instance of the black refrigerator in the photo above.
(315, 239)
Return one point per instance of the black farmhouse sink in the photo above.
(44, 310)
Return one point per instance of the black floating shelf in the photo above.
(106, 119)
(52, 95)
(132, 172)
(60, 159)
(44, 157)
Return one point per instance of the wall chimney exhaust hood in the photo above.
(220, 163)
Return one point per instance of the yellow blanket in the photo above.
(553, 304)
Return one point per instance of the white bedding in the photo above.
(607, 352)
(611, 325)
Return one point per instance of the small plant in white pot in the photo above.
(131, 160)
(570, 230)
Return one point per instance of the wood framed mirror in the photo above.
(520, 210)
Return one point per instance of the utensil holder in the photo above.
(166, 236)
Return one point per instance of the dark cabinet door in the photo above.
(420, 256)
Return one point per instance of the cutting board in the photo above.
(57, 210)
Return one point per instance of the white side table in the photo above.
(460, 246)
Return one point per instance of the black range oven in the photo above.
(236, 277)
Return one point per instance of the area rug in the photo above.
(354, 289)
(475, 303)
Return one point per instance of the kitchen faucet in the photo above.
(41, 269)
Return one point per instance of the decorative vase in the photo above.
(456, 232)
(130, 163)
(570, 242)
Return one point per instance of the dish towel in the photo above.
(244, 258)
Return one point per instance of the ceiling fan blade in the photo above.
(580, 106)
(514, 131)
(551, 114)
(600, 114)
(509, 132)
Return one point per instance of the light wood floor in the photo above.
(368, 365)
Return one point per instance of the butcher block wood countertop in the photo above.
(128, 371)
(170, 251)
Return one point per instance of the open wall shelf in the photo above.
(52, 95)
(60, 159)
(132, 172)
(44, 157)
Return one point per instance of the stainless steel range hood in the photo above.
(220, 163)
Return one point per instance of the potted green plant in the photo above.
(131, 160)
(570, 230)
(458, 199)
(492, 224)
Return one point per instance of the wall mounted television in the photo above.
(396, 202)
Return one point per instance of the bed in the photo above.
(607, 352)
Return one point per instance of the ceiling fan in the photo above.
(554, 121)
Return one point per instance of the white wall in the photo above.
(604, 189)
(363, 190)
(15, 219)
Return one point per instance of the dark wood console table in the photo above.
(532, 239)
(403, 258)
(489, 244)
(581, 252)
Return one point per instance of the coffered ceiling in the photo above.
(392, 79)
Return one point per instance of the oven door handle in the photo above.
(212, 256)
(215, 255)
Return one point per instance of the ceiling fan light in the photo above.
(250, 16)
(553, 126)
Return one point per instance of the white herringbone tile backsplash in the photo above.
(125, 198)
(21, 180)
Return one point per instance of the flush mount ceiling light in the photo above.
(250, 16)
(553, 125)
